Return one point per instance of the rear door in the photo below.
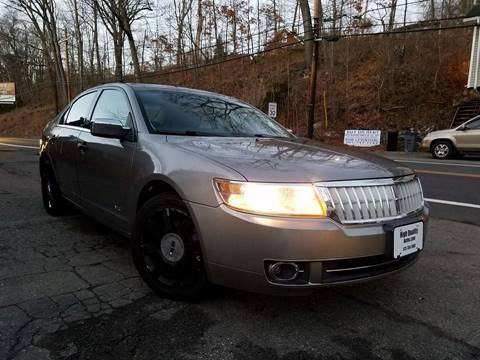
(469, 138)
(104, 164)
(67, 133)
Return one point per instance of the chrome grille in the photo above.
(363, 201)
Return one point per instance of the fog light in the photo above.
(282, 271)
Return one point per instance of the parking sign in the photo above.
(272, 110)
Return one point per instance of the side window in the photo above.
(78, 114)
(474, 125)
(113, 104)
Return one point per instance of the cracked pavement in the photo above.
(68, 290)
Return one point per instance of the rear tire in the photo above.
(442, 150)
(53, 200)
(166, 249)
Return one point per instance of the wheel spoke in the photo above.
(166, 220)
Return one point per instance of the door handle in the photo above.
(82, 147)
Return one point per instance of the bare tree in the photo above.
(393, 11)
(112, 25)
(120, 15)
(95, 40)
(79, 41)
(42, 14)
(182, 9)
(198, 34)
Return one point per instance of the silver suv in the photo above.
(464, 139)
(212, 191)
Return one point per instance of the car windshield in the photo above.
(189, 113)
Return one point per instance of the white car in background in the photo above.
(464, 139)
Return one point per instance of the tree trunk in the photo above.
(393, 11)
(334, 16)
(95, 40)
(308, 31)
(79, 37)
(198, 34)
(258, 26)
(275, 23)
(133, 53)
(179, 43)
(118, 51)
(60, 71)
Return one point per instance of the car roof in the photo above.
(171, 88)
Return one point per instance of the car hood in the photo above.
(295, 160)
(438, 133)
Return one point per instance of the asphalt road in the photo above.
(445, 181)
(68, 290)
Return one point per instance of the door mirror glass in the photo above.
(109, 128)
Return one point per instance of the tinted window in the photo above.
(113, 104)
(79, 111)
(199, 114)
(475, 124)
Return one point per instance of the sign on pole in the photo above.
(363, 138)
(272, 110)
(7, 93)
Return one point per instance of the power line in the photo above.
(324, 38)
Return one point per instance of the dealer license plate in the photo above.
(407, 239)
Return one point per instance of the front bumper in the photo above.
(238, 248)
(425, 144)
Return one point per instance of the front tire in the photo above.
(166, 249)
(442, 150)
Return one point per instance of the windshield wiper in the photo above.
(266, 136)
(270, 136)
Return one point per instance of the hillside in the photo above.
(389, 82)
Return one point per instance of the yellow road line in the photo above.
(447, 173)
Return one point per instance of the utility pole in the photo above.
(313, 70)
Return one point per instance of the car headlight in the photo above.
(272, 199)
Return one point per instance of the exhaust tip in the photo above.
(283, 271)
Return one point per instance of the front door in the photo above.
(468, 139)
(104, 164)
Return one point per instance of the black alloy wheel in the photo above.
(166, 248)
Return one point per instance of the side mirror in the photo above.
(462, 128)
(290, 131)
(109, 128)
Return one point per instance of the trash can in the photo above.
(392, 140)
(410, 140)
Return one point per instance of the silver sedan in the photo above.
(212, 191)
